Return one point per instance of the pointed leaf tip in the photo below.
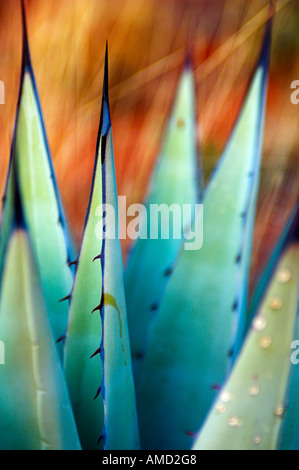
(30, 179)
(211, 292)
(26, 66)
(106, 75)
(264, 59)
(105, 122)
(189, 53)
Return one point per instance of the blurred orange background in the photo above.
(147, 42)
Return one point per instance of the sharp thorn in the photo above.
(139, 356)
(216, 387)
(62, 338)
(65, 298)
(238, 258)
(154, 307)
(190, 434)
(168, 272)
(26, 53)
(105, 84)
(72, 263)
(97, 308)
(98, 351)
(98, 393)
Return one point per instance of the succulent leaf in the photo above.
(35, 411)
(289, 436)
(251, 409)
(175, 181)
(263, 280)
(98, 359)
(202, 314)
(31, 166)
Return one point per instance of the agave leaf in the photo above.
(250, 410)
(35, 409)
(205, 300)
(7, 215)
(289, 436)
(98, 288)
(174, 181)
(31, 166)
(263, 281)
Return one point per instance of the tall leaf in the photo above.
(30, 164)
(289, 436)
(98, 362)
(203, 311)
(175, 182)
(35, 409)
(251, 409)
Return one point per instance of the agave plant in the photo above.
(169, 354)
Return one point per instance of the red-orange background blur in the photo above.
(147, 41)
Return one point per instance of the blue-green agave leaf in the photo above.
(35, 412)
(289, 436)
(175, 182)
(98, 359)
(202, 314)
(42, 208)
(250, 412)
(263, 280)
